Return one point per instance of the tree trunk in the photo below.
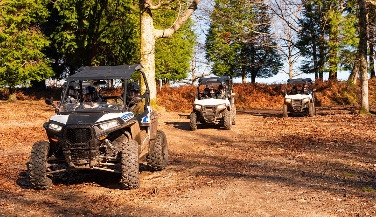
(253, 77)
(291, 66)
(363, 55)
(149, 35)
(354, 73)
(371, 43)
(147, 50)
(244, 75)
(315, 64)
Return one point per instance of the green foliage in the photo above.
(95, 32)
(22, 42)
(368, 189)
(363, 111)
(328, 37)
(173, 55)
(239, 43)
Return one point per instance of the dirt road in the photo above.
(265, 166)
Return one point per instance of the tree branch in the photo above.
(160, 4)
(167, 33)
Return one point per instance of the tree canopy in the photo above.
(22, 42)
(241, 45)
(95, 32)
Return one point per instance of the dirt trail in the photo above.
(265, 166)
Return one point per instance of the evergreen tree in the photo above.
(312, 39)
(22, 42)
(239, 42)
(94, 32)
(328, 37)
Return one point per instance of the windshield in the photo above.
(93, 96)
(213, 90)
(298, 88)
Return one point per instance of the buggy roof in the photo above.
(105, 72)
(214, 80)
(299, 80)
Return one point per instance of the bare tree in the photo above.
(200, 66)
(286, 22)
(149, 34)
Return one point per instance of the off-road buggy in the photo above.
(103, 122)
(214, 103)
(299, 97)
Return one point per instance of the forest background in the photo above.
(42, 39)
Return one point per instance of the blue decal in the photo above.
(145, 119)
(127, 116)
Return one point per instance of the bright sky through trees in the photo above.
(202, 66)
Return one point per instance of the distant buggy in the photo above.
(299, 97)
(214, 103)
(103, 122)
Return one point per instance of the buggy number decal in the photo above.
(127, 116)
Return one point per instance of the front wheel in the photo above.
(285, 114)
(38, 166)
(193, 121)
(130, 165)
(158, 155)
(311, 110)
(227, 119)
(233, 114)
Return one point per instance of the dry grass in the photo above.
(248, 96)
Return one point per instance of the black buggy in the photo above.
(103, 122)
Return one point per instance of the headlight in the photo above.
(287, 100)
(55, 127)
(221, 107)
(108, 125)
(305, 100)
(197, 107)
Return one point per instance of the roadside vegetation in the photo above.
(248, 96)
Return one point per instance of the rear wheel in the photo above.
(193, 121)
(227, 119)
(38, 166)
(285, 114)
(130, 165)
(158, 155)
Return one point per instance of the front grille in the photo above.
(296, 102)
(209, 109)
(78, 135)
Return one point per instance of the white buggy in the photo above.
(214, 103)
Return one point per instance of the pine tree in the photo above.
(239, 42)
(328, 37)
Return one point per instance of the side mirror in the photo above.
(136, 99)
(49, 101)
